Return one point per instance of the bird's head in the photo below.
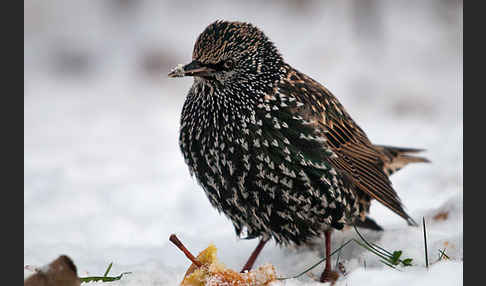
(229, 52)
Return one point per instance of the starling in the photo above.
(272, 148)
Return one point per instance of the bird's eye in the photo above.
(228, 64)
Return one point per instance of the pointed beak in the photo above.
(193, 69)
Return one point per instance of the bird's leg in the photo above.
(326, 273)
(254, 255)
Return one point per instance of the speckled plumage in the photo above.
(273, 149)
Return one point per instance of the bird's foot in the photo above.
(329, 276)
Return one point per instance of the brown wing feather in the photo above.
(358, 158)
(356, 155)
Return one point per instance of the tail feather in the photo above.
(398, 157)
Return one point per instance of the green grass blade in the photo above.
(442, 254)
(425, 244)
(388, 264)
(102, 278)
(317, 263)
(382, 249)
(108, 269)
(372, 250)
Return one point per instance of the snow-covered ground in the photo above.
(104, 180)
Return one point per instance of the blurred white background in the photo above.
(104, 179)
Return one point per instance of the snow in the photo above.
(104, 180)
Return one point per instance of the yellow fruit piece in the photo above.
(214, 273)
